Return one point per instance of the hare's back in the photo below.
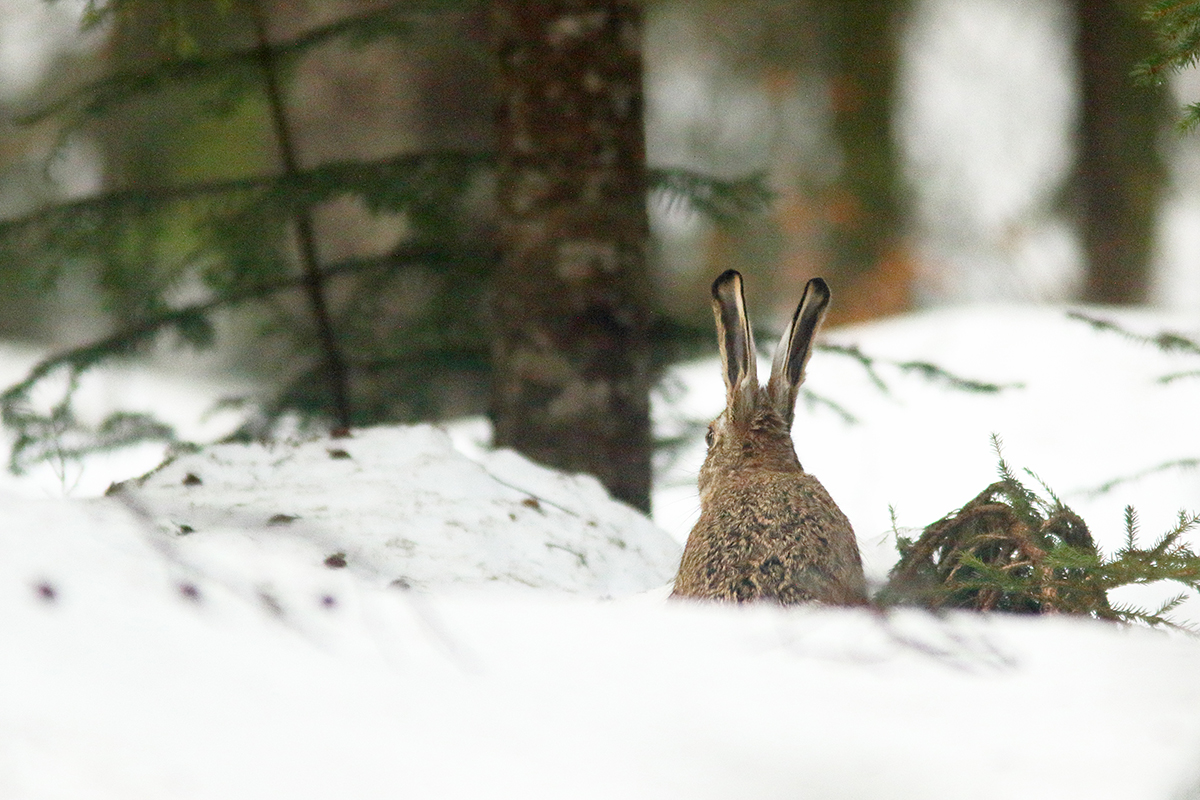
(819, 544)
(782, 538)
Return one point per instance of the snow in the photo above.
(407, 507)
(184, 397)
(501, 630)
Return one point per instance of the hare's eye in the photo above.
(708, 437)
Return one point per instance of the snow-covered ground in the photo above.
(406, 613)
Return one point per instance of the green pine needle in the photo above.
(724, 201)
(1011, 549)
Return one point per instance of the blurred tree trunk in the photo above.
(571, 356)
(1120, 171)
(866, 220)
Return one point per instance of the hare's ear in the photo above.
(787, 370)
(736, 341)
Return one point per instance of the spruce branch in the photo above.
(1179, 376)
(129, 338)
(1010, 549)
(101, 96)
(1166, 466)
(1176, 27)
(934, 373)
(1166, 341)
(725, 201)
(59, 436)
(813, 400)
(32, 429)
(391, 184)
(930, 372)
(397, 183)
(866, 362)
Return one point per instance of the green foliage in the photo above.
(57, 436)
(1013, 549)
(930, 372)
(1177, 30)
(1166, 341)
(172, 258)
(727, 202)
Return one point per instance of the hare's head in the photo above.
(754, 430)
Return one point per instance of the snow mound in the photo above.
(133, 670)
(403, 505)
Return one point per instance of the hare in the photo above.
(768, 530)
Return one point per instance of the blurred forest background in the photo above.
(349, 187)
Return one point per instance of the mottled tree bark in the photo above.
(571, 355)
(1120, 171)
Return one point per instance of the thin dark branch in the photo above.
(313, 279)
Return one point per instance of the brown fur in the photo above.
(768, 530)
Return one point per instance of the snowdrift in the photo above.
(398, 614)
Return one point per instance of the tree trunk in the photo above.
(571, 355)
(1120, 172)
(865, 217)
